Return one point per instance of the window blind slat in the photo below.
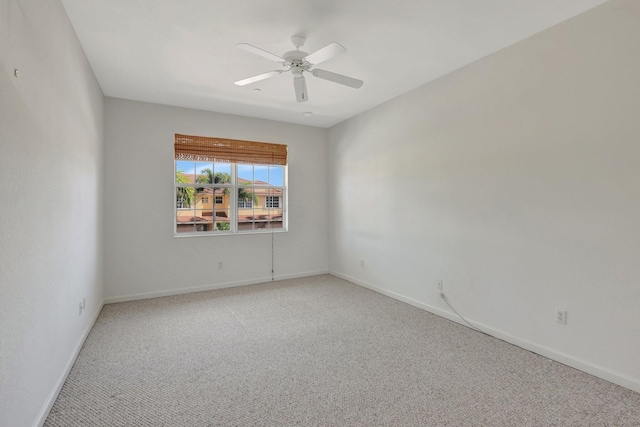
(202, 148)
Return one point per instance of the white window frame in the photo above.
(219, 198)
(233, 187)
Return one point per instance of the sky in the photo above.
(273, 175)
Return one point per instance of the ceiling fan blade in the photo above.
(338, 78)
(300, 86)
(257, 78)
(325, 53)
(258, 51)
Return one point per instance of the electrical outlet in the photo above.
(561, 316)
(219, 265)
(362, 263)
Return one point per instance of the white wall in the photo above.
(51, 134)
(144, 259)
(516, 180)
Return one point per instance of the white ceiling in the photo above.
(183, 52)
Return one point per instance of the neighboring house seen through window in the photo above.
(244, 194)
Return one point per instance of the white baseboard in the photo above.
(224, 285)
(584, 366)
(590, 368)
(53, 395)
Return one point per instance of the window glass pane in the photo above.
(204, 203)
(185, 197)
(183, 224)
(260, 210)
(275, 218)
(222, 198)
(274, 199)
(246, 198)
(185, 210)
(184, 171)
(273, 202)
(203, 224)
(276, 175)
(222, 210)
(222, 220)
(261, 174)
(222, 215)
(203, 210)
(246, 201)
(244, 224)
(245, 174)
(260, 224)
(204, 172)
(222, 173)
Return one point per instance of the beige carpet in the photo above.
(317, 351)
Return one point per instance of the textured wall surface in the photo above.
(142, 256)
(51, 135)
(516, 181)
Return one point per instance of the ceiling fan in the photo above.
(298, 62)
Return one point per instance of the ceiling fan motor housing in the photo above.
(295, 62)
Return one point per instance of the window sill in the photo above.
(222, 233)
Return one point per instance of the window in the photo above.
(273, 201)
(247, 180)
(245, 203)
(180, 202)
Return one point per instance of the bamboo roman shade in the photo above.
(202, 148)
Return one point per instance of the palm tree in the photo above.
(247, 194)
(205, 177)
(186, 194)
(208, 177)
